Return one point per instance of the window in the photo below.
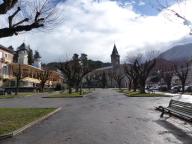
(5, 70)
(6, 55)
(1, 55)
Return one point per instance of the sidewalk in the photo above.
(180, 97)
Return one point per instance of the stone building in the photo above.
(115, 68)
(29, 73)
(6, 57)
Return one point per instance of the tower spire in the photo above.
(115, 57)
(115, 52)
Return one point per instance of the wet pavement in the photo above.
(104, 117)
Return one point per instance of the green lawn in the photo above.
(67, 95)
(15, 118)
(24, 94)
(138, 94)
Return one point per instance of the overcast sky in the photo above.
(92, 27)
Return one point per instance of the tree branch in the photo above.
(6, 32)
(22, 21)
(10, 18)
(7, 5)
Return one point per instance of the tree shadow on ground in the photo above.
(180, 134)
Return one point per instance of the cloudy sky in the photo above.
(93, 26)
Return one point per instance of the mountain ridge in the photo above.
(178, 53)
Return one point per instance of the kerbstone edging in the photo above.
(20, 130)
(86, 95)
(81, 96)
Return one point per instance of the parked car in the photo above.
(163, 88)
(188, 88)
(175, 89)
(154, 88)
(2, 91)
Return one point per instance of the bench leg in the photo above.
(170, 114)
(163, 111)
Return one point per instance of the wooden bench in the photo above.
(181, 109)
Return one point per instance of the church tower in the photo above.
(115, 57)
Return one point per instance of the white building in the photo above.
(23, 54)
(37, 60)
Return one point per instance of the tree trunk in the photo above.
(42, 87)
(134, 86)
(17, 86)
(70, 89)
(130, 84)
(183, 87)
(81, 90)
(168, 85)
(103, 85)
(76, 88)
(119, 84)
(142, 87)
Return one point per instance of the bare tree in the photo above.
(44, 77)
(141, 65)
(143, 70)
(25, 15)
(110, 76)
(138, 68)
(132, 75)
(118, 77)
(130, 83)
(17, 74)
(67, 69)
(182, 72)
(74, 71)
(89, 80)
(167, 77)
(82, 69)
(103, 79)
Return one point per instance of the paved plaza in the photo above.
(103, 117)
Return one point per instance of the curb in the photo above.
(20, 130)
(87, 94)
(148, 96)
(64, 97)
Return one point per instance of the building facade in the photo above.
(29, 73)
(6, 58)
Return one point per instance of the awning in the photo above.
(28, 79)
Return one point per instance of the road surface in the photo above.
(103, 117)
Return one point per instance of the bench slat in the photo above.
(185, 110)
(178, 112)
(181, 114)
(181, 109)
(174, 102)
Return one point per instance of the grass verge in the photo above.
(14, 118)
(16, 96)
(138, 94)
(67, 95)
